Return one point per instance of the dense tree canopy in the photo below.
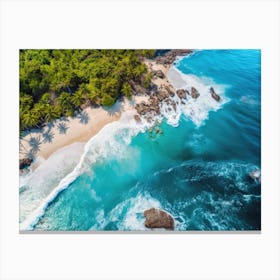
(55, 83)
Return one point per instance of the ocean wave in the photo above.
(197, 170)
(127, 215)
(112, 140)
(37, 184)
(209, 195)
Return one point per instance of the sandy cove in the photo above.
(65, 131)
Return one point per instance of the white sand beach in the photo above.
(66, 131)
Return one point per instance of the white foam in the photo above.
(196, 110)
(134, 207)
(37, 184)
(112, 140)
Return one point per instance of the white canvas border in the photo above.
(145, 24)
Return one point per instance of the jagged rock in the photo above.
(142, 108)
(194, 93)
(168, 101)
(188, 93)
(181, 93)
(214, 94)
(25, 162)
(168, 57)
(183, 102)
(137, 118)
(170, 92)
(137, 88)
(162, 95)
(159, 74)
(156, 218)
(153, 100)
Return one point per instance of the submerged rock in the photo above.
(137, 118)
(156, 218)
(173, 104)
(214, 94)
(194, 93)
(256, 175)
(25, 162)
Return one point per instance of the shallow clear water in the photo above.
(196, 169)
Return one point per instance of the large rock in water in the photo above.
(25, 162)
(182, 93)
(137, 118)
(214, 94)
(156, 218)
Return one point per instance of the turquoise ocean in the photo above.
(194, 163)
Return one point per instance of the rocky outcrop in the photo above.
(170, 92)
(182, 93)
(159, 74)
(137, 118)
(162, 94)
(24, 163)
(169, 57)
(214, 94)
(137, 88)
(156, 218)
(142, 108)
(194, 93)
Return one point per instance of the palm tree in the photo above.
(29, 119)
(66, 104)
(78, 98)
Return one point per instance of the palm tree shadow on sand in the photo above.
(83, 117)
(48, 136)
(62, 128)
(34, 143)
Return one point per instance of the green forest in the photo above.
(56, 83)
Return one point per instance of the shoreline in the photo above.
(42, 143)
(80, 129)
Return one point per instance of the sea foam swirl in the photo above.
(111, 140)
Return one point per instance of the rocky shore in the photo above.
(150, 101)
(161, 92)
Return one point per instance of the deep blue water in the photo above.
(198, 173)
